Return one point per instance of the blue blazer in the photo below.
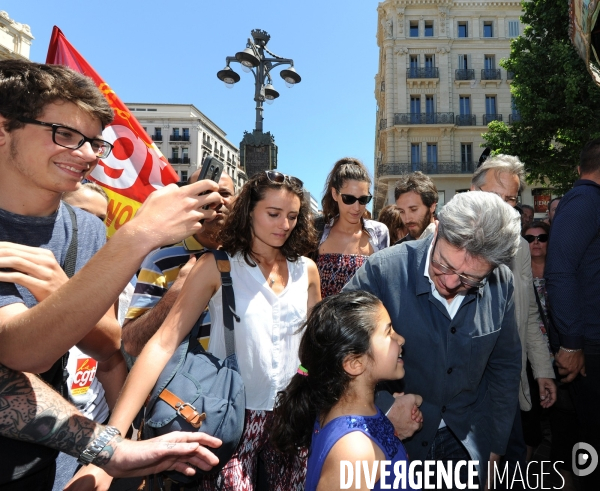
(467, 369)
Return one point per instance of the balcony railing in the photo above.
(423, 118)
(185, 160)
(514, 118)
(491, 74)
(157, 137)
(464, 74)
(185, 138)
(382, 124)
(175, 160)
(427, 168)
(207, 145)
(427, 72)
(510, 75)
(466, 120)
(488, 118)
(179, 138)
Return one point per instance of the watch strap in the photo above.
(96, 446)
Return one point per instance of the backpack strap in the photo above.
(57, 375)
(71, 258)
(224, 267)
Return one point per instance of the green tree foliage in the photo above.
(558, 102)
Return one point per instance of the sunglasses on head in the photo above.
(350, 199)
(279, 178)
(540, 238)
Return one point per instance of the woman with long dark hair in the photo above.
(390, 216)
(266, 234)
(348, 346)
(347, 239)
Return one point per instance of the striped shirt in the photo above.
(158, 273)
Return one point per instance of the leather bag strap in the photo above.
(183, 409)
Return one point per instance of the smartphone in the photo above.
(212, 168)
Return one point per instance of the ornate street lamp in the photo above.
(258, 151)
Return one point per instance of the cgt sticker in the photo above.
(84, 376)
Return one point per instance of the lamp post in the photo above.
(258, 151)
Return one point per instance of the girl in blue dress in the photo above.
(347, 347)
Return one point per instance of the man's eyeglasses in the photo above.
(465, 280)
(350, 199)
(539, 238)
(279, 178)
(67, 137)
(511, 200)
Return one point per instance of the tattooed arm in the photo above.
(32, 411)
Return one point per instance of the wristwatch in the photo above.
(94, 448)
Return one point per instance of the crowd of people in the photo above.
(445, 335)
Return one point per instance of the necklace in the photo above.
(271, 281)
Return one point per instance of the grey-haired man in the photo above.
(451, 297)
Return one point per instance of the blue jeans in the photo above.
(446, 447)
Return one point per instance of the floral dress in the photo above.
(336, 270)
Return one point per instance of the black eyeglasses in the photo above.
(539, 238)
(511, 200)
(279, 178)
(350, 199)
(67, 137)
(465, 280)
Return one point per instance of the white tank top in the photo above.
(266, 338)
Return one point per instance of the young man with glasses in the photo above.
(450, 297)
(51, 122)
(504, 175)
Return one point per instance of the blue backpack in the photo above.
(196, 391)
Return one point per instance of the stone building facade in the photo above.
(185, 136)
(15, 38)
(439, 84)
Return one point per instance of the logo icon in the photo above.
(584, 459)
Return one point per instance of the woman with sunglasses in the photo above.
(266, 234)
(347, 239)
(562, 413)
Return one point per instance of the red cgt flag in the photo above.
(136, 166)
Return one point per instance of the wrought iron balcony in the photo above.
(491, 74)
(174, 160)
(510, 75)
(464, 74)
(514, 118)
(466, 120)
(157, 137)
(423, 118)
(488, 118)
(382, 124)
(207, 145)
(185, 160)
(175, 138)
(427, 72)
(427, 168)
(185, 138)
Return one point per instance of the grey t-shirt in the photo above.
(54, 233)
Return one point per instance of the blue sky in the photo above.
(170, 52)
